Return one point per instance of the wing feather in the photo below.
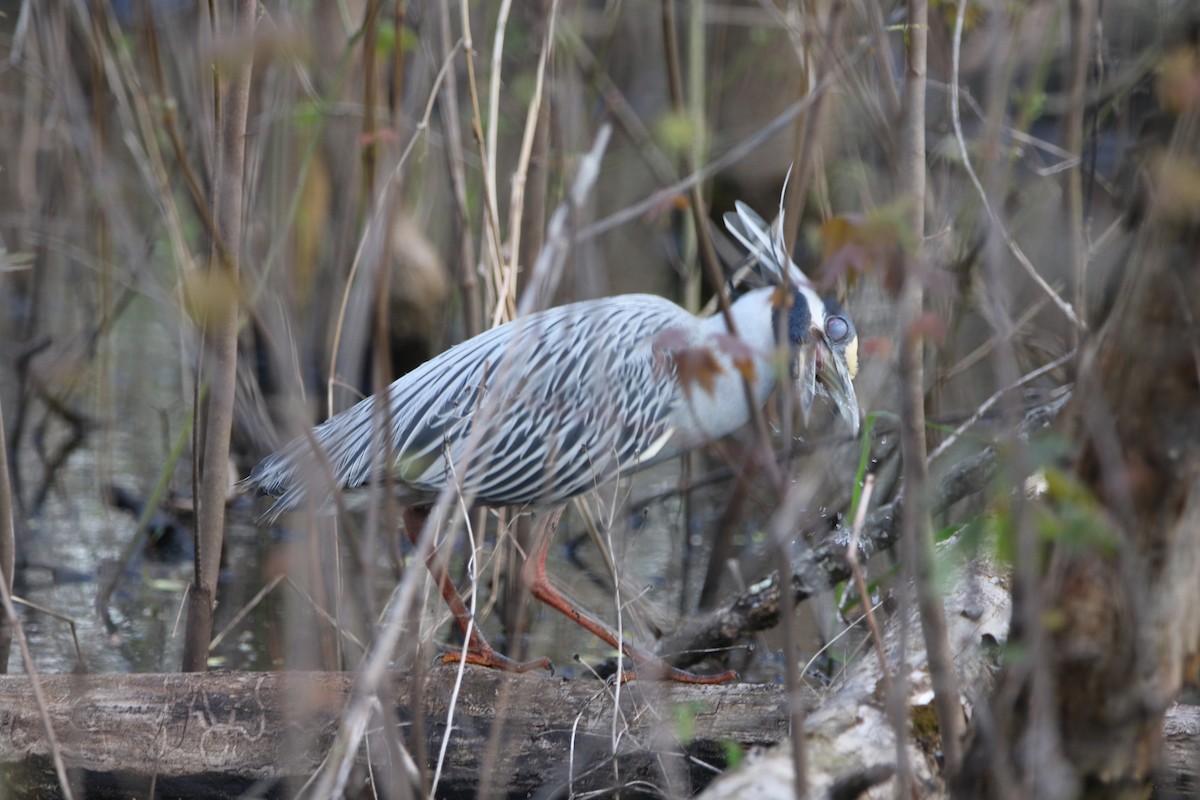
(535, 411)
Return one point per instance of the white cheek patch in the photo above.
(816, 307)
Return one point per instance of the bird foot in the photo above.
(683, 676)
(653, 669)
(661, 672)
(487, 657)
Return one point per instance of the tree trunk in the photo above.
(1120, 587)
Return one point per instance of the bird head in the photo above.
(821, 337)
(823, 346)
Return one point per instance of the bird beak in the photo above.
(821, 369)
(804, 371)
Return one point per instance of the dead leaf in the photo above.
(739, 352)
(693, 364)
(929, 326)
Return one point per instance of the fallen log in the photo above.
(225, 734)
(262, 734)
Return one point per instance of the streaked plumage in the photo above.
(562, 401)
(574, 396)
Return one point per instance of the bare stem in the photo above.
(452, 127)
(860, 583)
(221, 358)
(918, 526)
(1082, 22)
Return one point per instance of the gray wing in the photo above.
(536, 411)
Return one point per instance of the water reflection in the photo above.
(75, 543)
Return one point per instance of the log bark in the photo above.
(222, 734)
(850, 737)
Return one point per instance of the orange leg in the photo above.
(478, 650)
(533, 575)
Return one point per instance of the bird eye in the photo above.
(837, 328)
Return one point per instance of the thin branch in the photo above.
(783, 527)
(377, 221)
(493, 125)
(170, 120)
(860, 583)
(623, 112)
(986, 405)
(1082, 22)
(708, 254)
(1014, 248)
(807, 150)
(516, 204)
(491, 214)
(452, 128)
(918, 524)
(12, 624)
(370, 81)
(331, 779)
(221, 353)
(8, 545)
(733, 155)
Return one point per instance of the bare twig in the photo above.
(783, 525)
(8, 546)
(245, 610)
(731, 156)
(109, 584)
(918, 526)
(490, 234)
(331, 779)
(807, 150)
(1013, 247)
(543, 276)
(493, 125)
(378, 222)
(1082, 22)
(170, 120)
(460, 669)
(370, 79)
(860, 583)
(708, 254)
(1046, 772)
(987, 405)
(12, 625)
(221, 340)
(516, 205)
(623, 112)
(448, 106)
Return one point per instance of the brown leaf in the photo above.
(855, 245)
(877, 348)
(739, 352)
(694, 364)
(929, 326)
(1178, 84)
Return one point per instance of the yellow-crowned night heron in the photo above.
(557, 403)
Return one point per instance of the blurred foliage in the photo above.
(1064, 511)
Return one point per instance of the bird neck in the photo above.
(753, 321)
(753, 318)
